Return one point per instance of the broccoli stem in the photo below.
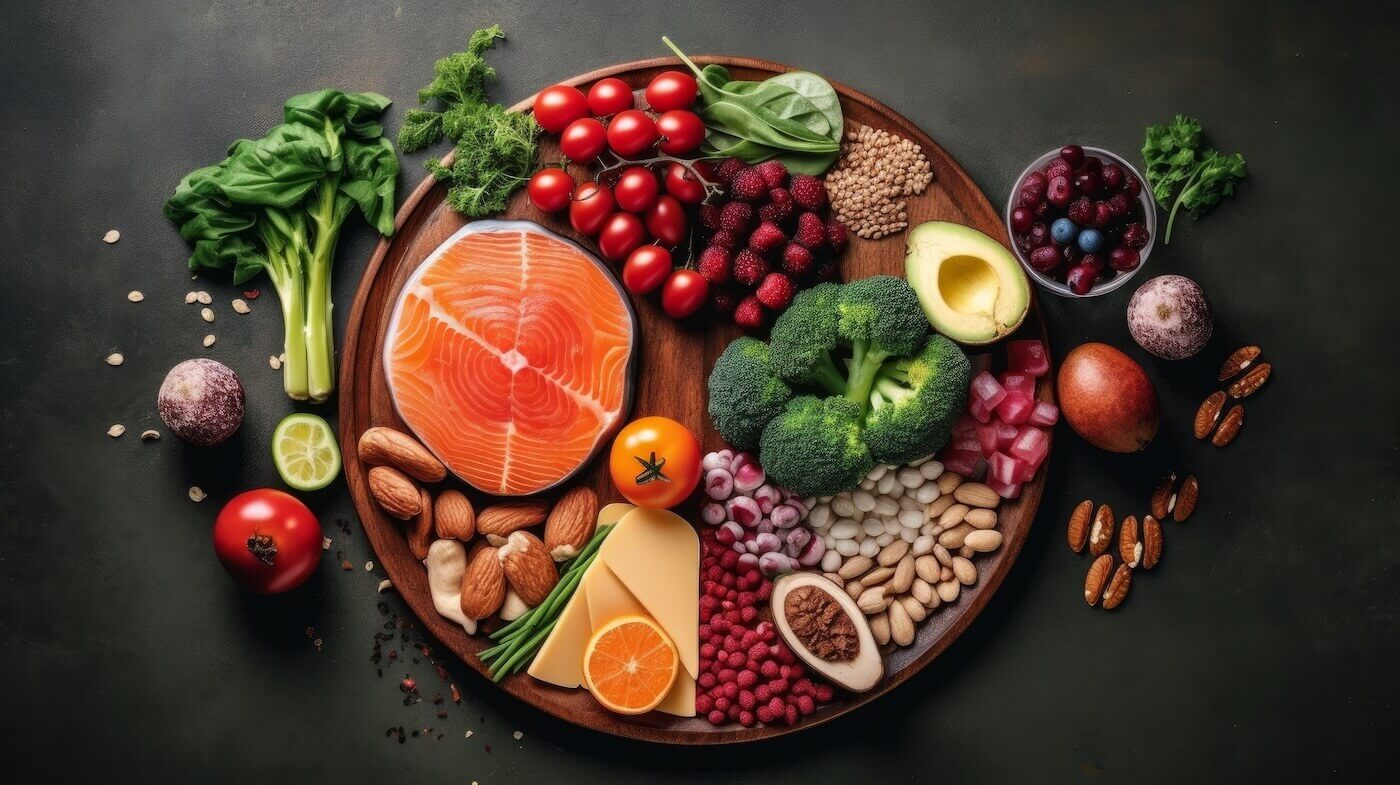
(319, 330)
(865, 365)
(831, 379)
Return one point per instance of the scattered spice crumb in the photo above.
(275, 362)
(135, 296)
(518, 735)
(468, 735)
(344, 562)
(115, 358)
(197, 494)
(208, 340)
(239, 306)
(111, 236)
(116, 430)
(369, 565)
(207, 314)
(150, 435)
(325, 543)
(251, 294)
(457, 698)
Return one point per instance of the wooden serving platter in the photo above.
(675, 359)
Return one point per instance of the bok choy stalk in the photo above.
(276, 205)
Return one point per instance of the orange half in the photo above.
(630, 665)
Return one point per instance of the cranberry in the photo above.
(1135, 236)
(1021, 219)
(1131, 186)
(1039, 234)
(1081, 279)
(1124, 259)
(1060, 193)
(1081, 211)
(1092, 164)
(1112, 175)
(1092, 260)
(1037, 179)
(1046, 258)
(1058, 168)
(1103, 215)
(1030, 198)
(1088, 183)
(1073, 155)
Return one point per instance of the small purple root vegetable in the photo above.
(768, 543)
(785, 516)
(714, 460)
(719, 484)
(796, 539)
(812, 553)
(712, 513)
(748, 477)
(743, 511)
(773, 564)
(765, 526)
(748, 561)
(767, 497)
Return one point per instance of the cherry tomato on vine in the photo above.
(672, 90)
(681, 131)
(646, 268)
(685, 291)
(609, 96)
(631, 133)
(636, 189)
(655, 462)
(550, 189)
(584, 139)
(559, 105)
(683, 184)
(667, 222)
(621, 233)
(590, 208)
(267, 540)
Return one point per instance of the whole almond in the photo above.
(1209, 414)
(926, 567)
(982, 541)
(876, 576)
(453, 516)
(872, 601)
(954, 515)
(982, 519)
(528, 567)
(935, 509)
(1250, 383)
(380, 446)
(855, 567)
(395, 492)
(1186, 499)
(956, 536)
(901, 626)
(1238, 360)
(571, 523)
(1078, 532)
(1130, 542)
(922, 591)
(1164, 496)
(499, 520)
(892, 553)
(975, 494)
(880, 628)
(854, 589)
(483, 583)
(916, 610)
(420, 530)
(1229, 427)
(1117, 590)
(1097, 578)
(1151, 542)
(1101, 532)
(948, 590)
(965, 571)
(947, 482)
(903, 577)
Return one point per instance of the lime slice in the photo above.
(304, 449)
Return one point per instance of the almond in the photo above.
(382, 446)
(1250, 383)
(1186, 499)
(1117, 590)
(982, 519)
(872, 601)
(901, 626)
(454, 517)
(498, 521)
(903, 577)
(571, 523)
(1239, 360)
(855, 567)
(1078, 532)
(395, 492)
(420, 531)
(1229, 427)
(1101, 533)
(975, 494)
(527, 567)
(1151, 542)
(1164, 497)
(483, 582)
(1097, 578)
(880, 628)
(1129, 542)
(1209, 414)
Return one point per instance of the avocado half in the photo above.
(858, 666)
(971, 287)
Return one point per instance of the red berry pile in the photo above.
(748, 674)
(767, 237)
(1100, 202)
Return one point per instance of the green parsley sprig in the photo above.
(1175, 165)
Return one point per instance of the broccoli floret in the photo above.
(805, 340)
(914, 401)
(815, 446)
(745, 393)
(879, 317)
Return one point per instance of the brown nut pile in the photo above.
(1139, 545)
(867, 187)
(1208, 416)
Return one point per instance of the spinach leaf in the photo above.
(820, 93)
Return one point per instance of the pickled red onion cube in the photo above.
(986, 389)
(1028, 356)
(1013, 381)
(1015, 408)
(1027, 471)
(1003, 468)
(1004, 490)
(967, 443)
(1044, 414)
(1031, 445)
(987, 436)
(964, 426)
(962, 462)
(1006, 434)
(979, 411)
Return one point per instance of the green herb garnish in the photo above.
(1175, 165)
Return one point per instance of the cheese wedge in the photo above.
(680, 701)
(612, 513)
(560, 658)
(607, 597)
(655, 555)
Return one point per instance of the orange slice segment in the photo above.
(630, 665)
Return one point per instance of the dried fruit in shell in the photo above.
(1117, 590)
(1078, 531)
(571, 523)
(1229, 427)
(1186, 499)
(1209, 414)
(1097, 578)
(1101, 532)
(1238, 360)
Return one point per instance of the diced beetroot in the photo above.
(987, 436)
(1044, 414)
(1003, 468)
(1004, 490)
(1015, 408)
(1006, 434)
(964, 426)
(962, 462)
(1028, 356)
(968, 443)
(1027, 471)
(987, 389)
(1031, 445)
(1018, 381)
(979, 411)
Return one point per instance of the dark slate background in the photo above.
(1262, 650)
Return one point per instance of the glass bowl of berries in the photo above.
(1081, 221)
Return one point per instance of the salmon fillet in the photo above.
(509, 355)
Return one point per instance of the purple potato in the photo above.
(1170, 317)
(201, 401)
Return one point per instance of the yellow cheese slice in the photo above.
(607, 597)
(560, 659)
(680, 701)
(655, 554)
(612, 513)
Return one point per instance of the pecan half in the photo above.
(1229, 427)
(1164, 497)
(1097, 578)
(1151, 542)
(1186, 499)
(1250, 383)
(1209, 413)
(1117, 590)
(1129, 542)
(1101, 532)
(1238, 360)
(1078, 532)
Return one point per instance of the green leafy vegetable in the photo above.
(275, 205)
(1175, 165)
(494, 150)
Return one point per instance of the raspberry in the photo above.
(715, 717)
(724, 239)
(749, 269)
(703, 704)
(773, 172)
(1045, 258)
(797, 261)
(767, 238)
(1081, 211)
(729, 167)
(709, 216)
(769, 669)
(808, 191)
(735, 217)
(723, 300)
(1118, 204)
(1057, 168)
(805, 704)
(779, 207)
(747, 719)
(749, 313)
(748, 184)
(1135, 236)
(810, 232)
(765, 715)
(775, 292)
(747, 679)
(714, 264)
(824, 693)
(836, 236)
(790, 715)
(1103, 214)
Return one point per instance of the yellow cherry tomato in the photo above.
(655, 462)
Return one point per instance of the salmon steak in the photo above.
(510, 355)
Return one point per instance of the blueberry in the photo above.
(1090, 240)
(1063, 230)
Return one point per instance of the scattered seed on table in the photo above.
(251, 294)
(325, 543)
(208, 340)
(385, 585)
(518, 735)
(111, 236)
(239, 306)
(191, 297)
(135, 296)
(116, 430)
(203, 297)
(468, 735)
(115, 358)
(275, 362)
(150, 435)
(197, 494)
(207, 314)
(369, 566)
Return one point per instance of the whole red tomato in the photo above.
(636, 189)
(621, 233)
(672, 90)
(267, 540)
(683, 184)
(646, 268)
(632, 133)
(684, 293)
(550, 189)
(584, 139)
(557, 106)
(666, 221)
(681, 131)
(655, 462)
(609, 96)
(591, 206)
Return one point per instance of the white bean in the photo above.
(873, 527)
(909, 535)
(886, 483)
(841, 505)
(911, 519)
(884, 539)
(868, 549)
(926, 493)
(867, 485)
(876, 473)
(931, 470)
(922, 545)
(863, 500)
(847, 547)
(831, 560)
(844, 529)
(908, 502)
(921, 461)
(886, 506)
(829, 541)
(819, 517)
(910, 477)
(891, 525)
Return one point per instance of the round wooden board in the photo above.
(674, 362)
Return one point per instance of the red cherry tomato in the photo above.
(681, 131)
(672, 90)
(267, 540)
(666, 221)
(621, 233)
(609, 96)
(636, 189)
(590, 208)
(557, 106)
(646, 268)
(684, 293)
(631, 133)
(584, 139)
(550, 189)
(683, 184)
